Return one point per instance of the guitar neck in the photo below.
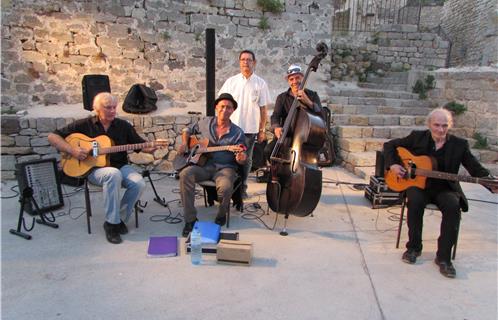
(215, 149)
(452, 176)
(126, 147)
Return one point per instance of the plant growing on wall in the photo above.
(481, 141)
(264, 24)
(455, 107)
(273, 6)
(423, 86)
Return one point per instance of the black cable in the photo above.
(485, 201)
(15, 191)
(168, 218)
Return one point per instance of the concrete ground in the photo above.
(340, 263)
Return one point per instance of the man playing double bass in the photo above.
(449, 152)
(308, 99)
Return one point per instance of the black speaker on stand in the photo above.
(40, 192)
(93, 84)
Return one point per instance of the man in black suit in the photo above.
(450, 152)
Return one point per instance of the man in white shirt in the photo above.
(252, 96)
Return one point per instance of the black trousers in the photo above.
(448, 203)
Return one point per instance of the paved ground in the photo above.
(340, 263)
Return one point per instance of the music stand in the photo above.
(40, 192)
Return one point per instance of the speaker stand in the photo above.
(27, 195)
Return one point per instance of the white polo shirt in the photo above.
(251, 94)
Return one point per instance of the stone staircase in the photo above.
(365, 117)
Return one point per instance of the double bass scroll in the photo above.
(296, 181)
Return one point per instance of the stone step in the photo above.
(411, 103)
(360, 144)
(377, 120)
(383, 86)
(383, 132)
(389, 78)
(370, 93)
(373, 109)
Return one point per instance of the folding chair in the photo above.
(429, 206)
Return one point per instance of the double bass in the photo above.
(295, 186)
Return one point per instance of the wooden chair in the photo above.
(429, 206)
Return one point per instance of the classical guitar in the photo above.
(419, 168)
(98, 150)
(197, 148)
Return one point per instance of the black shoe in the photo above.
(410, 256)
(446, 268)
(188, 228)
(112, 232)
(221, 220)
(122, 229)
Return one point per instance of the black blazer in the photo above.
(457, 153)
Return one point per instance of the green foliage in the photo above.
(198, 36)
(8, 111)
(422, 87)
(264, 24)
(430, 82)
(481, 142)
(455, 107)
(273, 6)
(165, 35)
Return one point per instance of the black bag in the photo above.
(326, 155)
(258, 155)
(140, 99)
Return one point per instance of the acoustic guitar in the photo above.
(98, 150)
(197, 148)
(419, 168)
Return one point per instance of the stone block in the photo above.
(39, 142)
(10, 124)
(22, 141)
(45, 124)
(27, 158)
(380, 132)
(8, 175)
(7, 141)
(44, 150)
(8, 162)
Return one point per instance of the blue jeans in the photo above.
(111, 180)
(250, 141)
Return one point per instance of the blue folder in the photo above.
(210, 231)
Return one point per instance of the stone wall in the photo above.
(477, 89)
(392, 48)
(48, 45)
(472, 26)
(25, 139)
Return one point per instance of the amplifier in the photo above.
(382, 199)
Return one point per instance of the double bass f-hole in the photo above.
(294, 161)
